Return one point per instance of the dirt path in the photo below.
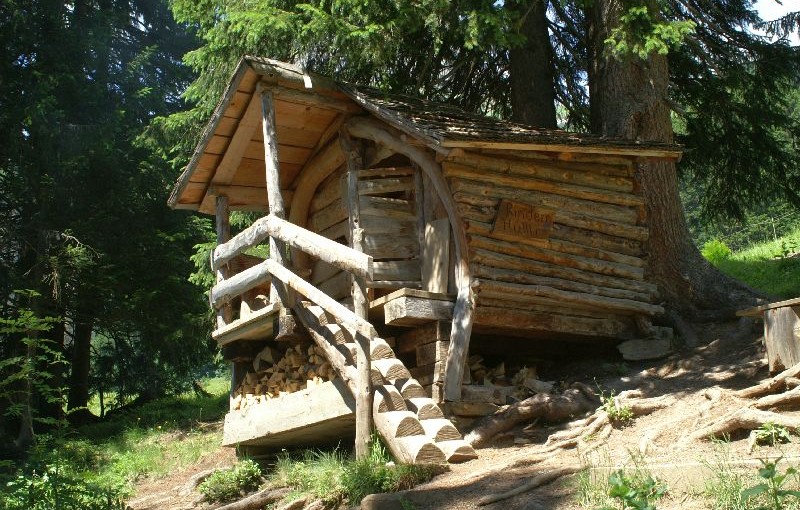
(730, 357)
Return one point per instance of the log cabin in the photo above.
(407, 241)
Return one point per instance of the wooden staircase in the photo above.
(411, 424)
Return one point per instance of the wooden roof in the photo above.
(309, 109)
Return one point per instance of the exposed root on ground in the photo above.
(536, 481)
(263, 498)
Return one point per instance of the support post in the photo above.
(277, 248)
(222, 216)
(363, 396)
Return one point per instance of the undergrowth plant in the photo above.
(771, 434)
(229, 484)
(772, 487)
(618, 414)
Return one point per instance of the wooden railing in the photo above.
(329, 251)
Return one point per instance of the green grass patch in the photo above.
(336, 478)
(769, 267)
(97, 466)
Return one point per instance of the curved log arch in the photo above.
(463, 315)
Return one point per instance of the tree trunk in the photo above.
(79, 376)
(628, 100)
(532, 87)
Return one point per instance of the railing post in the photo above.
(360, 301)
(222, 212)
(277, 248)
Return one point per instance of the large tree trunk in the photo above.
(79, 376)
(628, 100)
(532, 87)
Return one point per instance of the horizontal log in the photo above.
(387, 185)
(328, 216)
(500, 290)
(558, 258)
(386, 207)
(522, 320)
(636, 233)
(385, 172)
(568, 247)
(512, 276)
(238, 284)
(330, 189)
(412, 311)
(547, 171)
(403, 270)
(597, 240)
(544, 305)
(608, 212)
(527, 182)
(320, 247)
(374, 225)
(386, 246)
(493, 259)
(602, 164)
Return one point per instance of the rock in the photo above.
(637, 350)
(390, 501)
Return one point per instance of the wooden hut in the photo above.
(415, 226)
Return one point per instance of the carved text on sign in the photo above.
(523, 220)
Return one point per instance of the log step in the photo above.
(425, 408)
(440, 429)
(410, 388)
(391, 369)
(457, 450)
(417, 450)
(387, 398)
(398, 423)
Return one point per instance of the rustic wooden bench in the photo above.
(781, 331)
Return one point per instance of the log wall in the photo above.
(389, 216)
(560, 237)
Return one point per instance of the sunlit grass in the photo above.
(769, 267)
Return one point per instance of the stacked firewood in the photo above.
(526, 378)
(275, 374)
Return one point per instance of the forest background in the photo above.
(102, 101)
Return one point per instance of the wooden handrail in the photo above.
(333, 253)
(343, 315)
(238, 284)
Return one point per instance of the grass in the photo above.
(150, 441)
(335, 478)
(767, 266)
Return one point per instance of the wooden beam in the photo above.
(648, 152)
(333, 253)
(465, 301)
(517, 291)
(237, 285)
(241, 139)
(308, 98)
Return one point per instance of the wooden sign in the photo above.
(516, 219)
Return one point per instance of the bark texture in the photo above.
(532, 87)
(628, 100)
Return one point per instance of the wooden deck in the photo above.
(312, 416)
(257, 326)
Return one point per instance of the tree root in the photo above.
(789, 398)
(745, 418)
(263, 498)
(546, 406)
(772, 385)
(536, 481)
